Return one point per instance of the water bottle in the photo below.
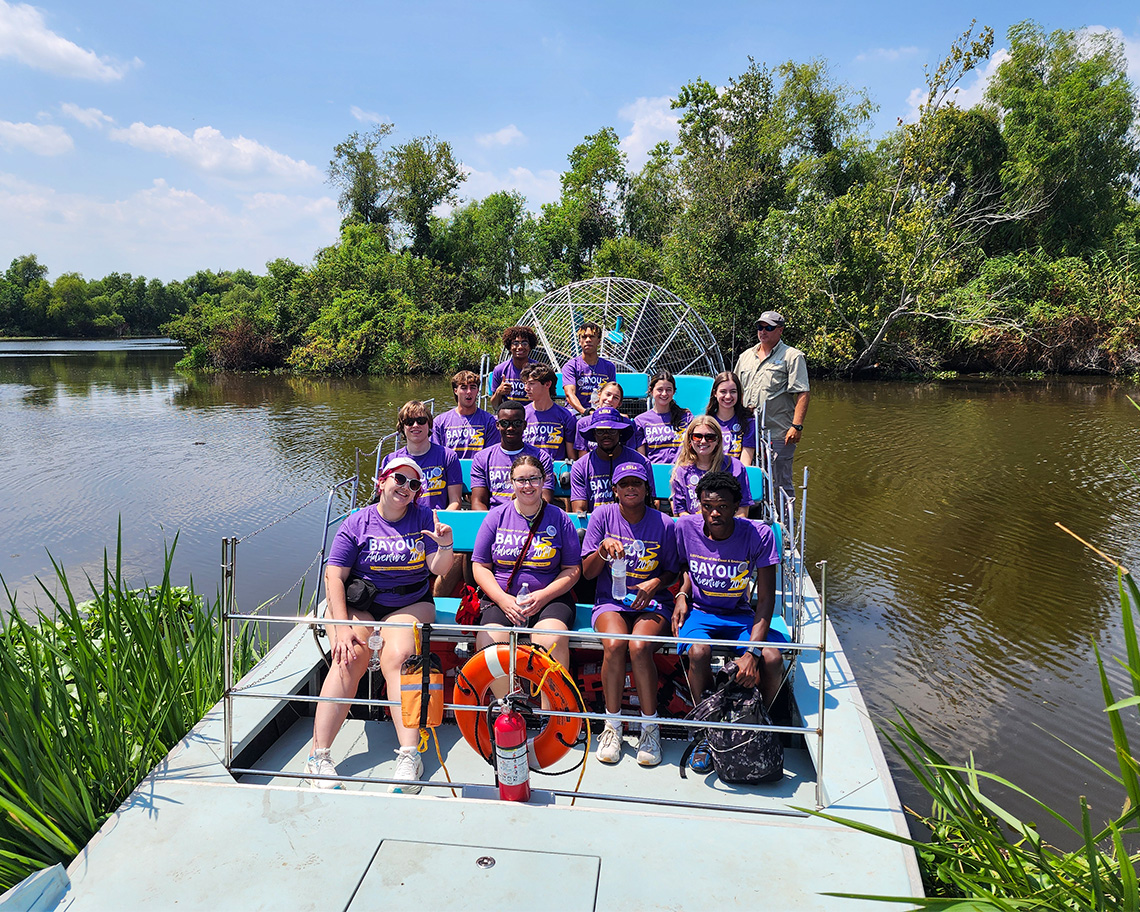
(617, 573)
(523, 598)
(375, 643)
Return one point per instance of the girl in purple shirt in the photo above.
(737, 426)
(662, 426)
(549, 567)
(702, 451)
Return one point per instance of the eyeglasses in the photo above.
(705, 436)
(529, 481)
(507, 423)
(765, 328)
(420, 419)
(517, 342)
(403, 481)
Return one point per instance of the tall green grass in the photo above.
(92, 696)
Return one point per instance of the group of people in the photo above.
(651, 576)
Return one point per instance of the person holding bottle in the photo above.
(526, 559)
(631, 549)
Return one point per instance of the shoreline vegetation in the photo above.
(94, 695)
(1000, 238)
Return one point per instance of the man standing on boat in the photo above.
(775, 380)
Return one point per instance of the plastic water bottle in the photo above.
(523, 598)
(617, 573)
(375, 643)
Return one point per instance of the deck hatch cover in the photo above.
(408, 875)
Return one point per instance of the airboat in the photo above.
(229, 820)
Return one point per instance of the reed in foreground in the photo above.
(94, 695)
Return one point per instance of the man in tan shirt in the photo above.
(775, 380)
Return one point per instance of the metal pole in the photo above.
(229, 549)
(822, 676)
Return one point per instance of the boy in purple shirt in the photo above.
(585, 374)
(591, 476)
(506, 376)
(491, 468)
(466, 429)
(549, 426)
(719, 552)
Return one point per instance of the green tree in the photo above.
(1068, 115)
(652, 198)
(487, 245)
(418, 176)
(355, 170)
(25, 271)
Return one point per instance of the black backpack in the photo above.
(738, 755)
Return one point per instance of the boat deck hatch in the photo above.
(406, 875)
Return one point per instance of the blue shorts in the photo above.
(706, 626)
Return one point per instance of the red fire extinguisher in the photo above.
(511, 763)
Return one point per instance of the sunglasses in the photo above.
(403, 481)
(765, 328)
(705, 436)
(421, 419)
(511, 423)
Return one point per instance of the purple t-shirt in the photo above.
(587, 379)
(506, 370)
(650, 549)
(465, 434)
(491, 469)
(736, 435)
(684, 485)
(500, 539)
(581, 444)
(662, 440)
(720, 569)
(386, 554)
(549, 430)
(591, 476)
(440, 468)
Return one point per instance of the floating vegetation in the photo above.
(94, 695)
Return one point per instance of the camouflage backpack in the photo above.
(738, 755)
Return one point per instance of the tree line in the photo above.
(1003, 236)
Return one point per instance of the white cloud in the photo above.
(969, 91)
(543, 187)
(208, 150)
(162, 231)
(890, 55)
(508, 135)
(89, 117)
(24, 36)
(41, 139)
(1131, 48)
(653, 121)
(365, 116)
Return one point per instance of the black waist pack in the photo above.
(738, 755)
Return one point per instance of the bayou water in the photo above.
(957, 599)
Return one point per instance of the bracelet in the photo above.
(444, 547)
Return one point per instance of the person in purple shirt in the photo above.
(719, 552)
(632, 531)
(491, 468)
(392, 544)
(506, 376)
(584, 375)
(662, 426)
(609, 396)
(702, 451)
(466, 429)
(549, 567)
(591, 476)
(737, 426)
(549, 426)
(442, 474)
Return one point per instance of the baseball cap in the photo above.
(630, 470)
(770, 317)
(608, 418)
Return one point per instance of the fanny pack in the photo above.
(360, 593)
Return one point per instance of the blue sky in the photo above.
(158, 139)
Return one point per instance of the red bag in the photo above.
(468, 611)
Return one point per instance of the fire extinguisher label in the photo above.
(512, 764)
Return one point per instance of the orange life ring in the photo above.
(488, 665)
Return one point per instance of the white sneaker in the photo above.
(609, 744)
(320, 764)
(408, 766)
(649, 747)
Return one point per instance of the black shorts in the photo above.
(558, 610)
(379, 612)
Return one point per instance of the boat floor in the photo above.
(367, 750)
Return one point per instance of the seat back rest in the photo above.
(465, 526)
(634, 386)
(663, 479)
(693, 392)
(756, 483)
(465, 465)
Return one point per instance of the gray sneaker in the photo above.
(609, 744)
(320, 764)
(408, 766)
(649, 747)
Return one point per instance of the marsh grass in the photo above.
(94, 694)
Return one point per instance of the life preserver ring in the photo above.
(488, 665)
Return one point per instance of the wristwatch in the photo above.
(799, 427)
(754, 651)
